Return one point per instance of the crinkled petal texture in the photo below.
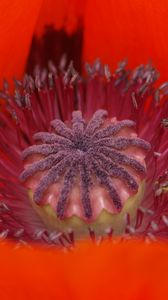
(133, 29)
(129, 270)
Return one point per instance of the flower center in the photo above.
(85, 168)
(82, 143)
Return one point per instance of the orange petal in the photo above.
(128, 270)
(60, 13)
(17, 21)
(31, 274)
(135, 29)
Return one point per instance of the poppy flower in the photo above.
(68, 141)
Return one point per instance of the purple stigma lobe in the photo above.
(86, 152)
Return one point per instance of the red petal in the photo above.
(17, 21)
(133, 29)
(128, 270)
(60, 13)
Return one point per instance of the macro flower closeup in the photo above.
(84, 146)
